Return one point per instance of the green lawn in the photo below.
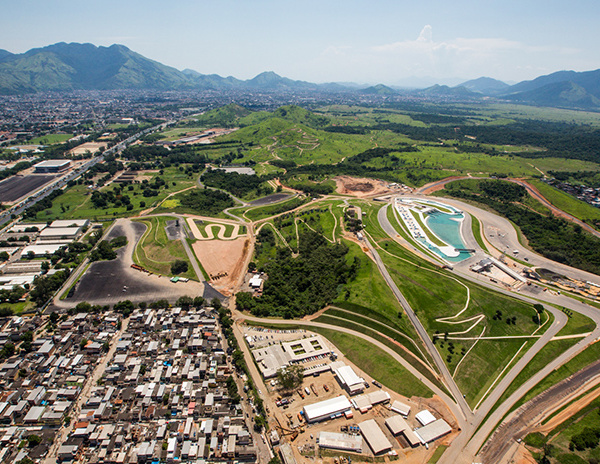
(75, 202)
(202, 226)
(156, 252)
(376, 363)
(263, 212)
(50, 139)
(476, 227)
(567, 203)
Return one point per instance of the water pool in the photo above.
(447, 228)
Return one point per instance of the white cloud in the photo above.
(426, 34)
(456, 58)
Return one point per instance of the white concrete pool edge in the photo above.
(417, 232)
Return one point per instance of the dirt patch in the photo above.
(568, 412)
(222, 258)
(361, 187)
(428, 189)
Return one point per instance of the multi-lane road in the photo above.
(43, 192)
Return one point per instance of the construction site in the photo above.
(339, 414)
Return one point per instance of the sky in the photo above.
(391, 42)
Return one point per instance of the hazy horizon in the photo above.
(333, 41)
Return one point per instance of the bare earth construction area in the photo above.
(222, 258)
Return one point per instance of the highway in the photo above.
(42, 193)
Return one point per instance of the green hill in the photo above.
(226, 116)
(378, 89)
(84, 66)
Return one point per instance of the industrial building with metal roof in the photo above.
(328, 409)
(54, 233)
(398, 425)
(52, 166)
(374, 436)
(425, 417)
(348, 378)
(433, 431)
(400, 408)
(340, 441)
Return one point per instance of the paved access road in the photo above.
(425, 337)
(464, 448)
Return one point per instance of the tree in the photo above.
(7, 350)
(4, 256)
(185, 302)
(198, 301)
(54, 317)
(34, 440)
(179, 267)
(125, 307)
(290, 377)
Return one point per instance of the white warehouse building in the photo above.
(327, 409)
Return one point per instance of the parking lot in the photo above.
(16, 187)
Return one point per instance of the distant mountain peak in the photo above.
(378, 89)
(485, 85)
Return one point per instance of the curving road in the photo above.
(425, 337)
(238, 317)
(465, 447)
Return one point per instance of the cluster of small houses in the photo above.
(582, 192)
(44, 241)
(162, 396)
(38, 389)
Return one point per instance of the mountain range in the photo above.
(74, 66)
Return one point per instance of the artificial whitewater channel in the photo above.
(443, 223)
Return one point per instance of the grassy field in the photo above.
(476, 227)
(156, 252)
(50, 139)
(587, 356)
(438, 454)
(263, 212)
(435, 294)
(75, 202)
(20, 307)
(566, 202)
(557, 444)
(376, 363)
(202, 225)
